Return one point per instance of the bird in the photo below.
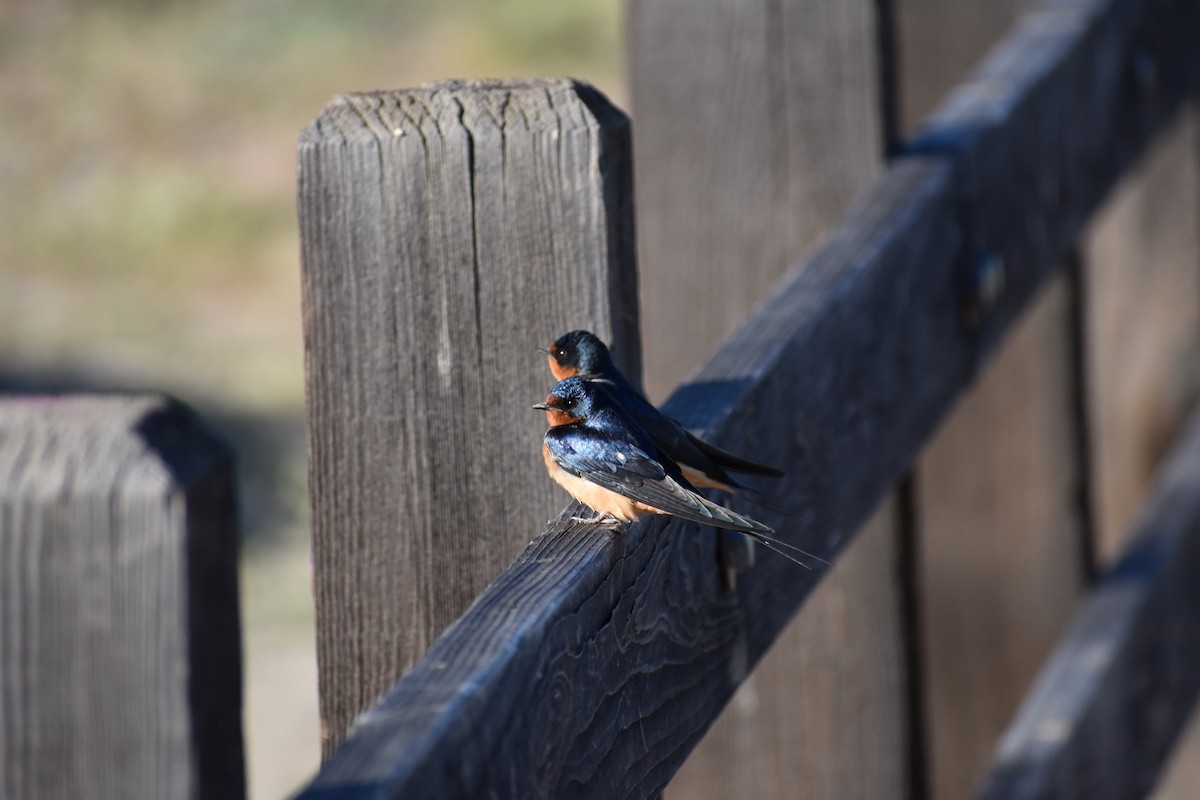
(602, 458)
(580, 353)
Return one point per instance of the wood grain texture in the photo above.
(1109, 704)
(447, 232)
(997, 513)
(1143, 333)
(822, 715)
(120, 666)
(1048, 152)
(594, 664)
(757, 124)
(998, 507)
(940, 42)
(1143, 324)
(983, 637)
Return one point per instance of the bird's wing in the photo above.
(729, 461)
(677, 442)
(626, 469)
(682, 447)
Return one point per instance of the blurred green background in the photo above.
(148, 235)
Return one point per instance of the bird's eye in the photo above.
(560, 353)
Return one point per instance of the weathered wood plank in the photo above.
(120, 666)
(997, 517)
(757, 125)
(939, 42)
(627, 644)
(593, 665)
(1101, 76)
(446, 233)
(1181, 774)
(822, 714)
(999, 549)
(1143, 324)
(1142, 287)
(724, 94)
(1103, 714)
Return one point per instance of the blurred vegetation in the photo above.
(148, 235)
(147, 167)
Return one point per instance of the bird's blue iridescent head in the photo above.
(578, 353)
(572, 400)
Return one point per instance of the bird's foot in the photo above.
(598, 519)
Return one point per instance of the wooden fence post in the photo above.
(757, 124)
(1001, 562)
(997, 498)
(446, 232)
(1141, 294)
(120, 663)
(1142, 323)
(1108, 706)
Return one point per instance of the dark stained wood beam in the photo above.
(593, 665)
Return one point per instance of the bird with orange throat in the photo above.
(580, 353)
(604, 459)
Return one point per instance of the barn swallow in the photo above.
(596, 452)
(581, 353)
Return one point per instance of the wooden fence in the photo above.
(450, 230)
(968, 335)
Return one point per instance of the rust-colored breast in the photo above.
(556, 418)
(595, 497)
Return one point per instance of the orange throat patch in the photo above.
(555, 418)
(560, 372)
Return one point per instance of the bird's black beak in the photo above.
(543, 351)
(543, 407)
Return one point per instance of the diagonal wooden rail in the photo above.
(1109, 704)
(595, 663)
